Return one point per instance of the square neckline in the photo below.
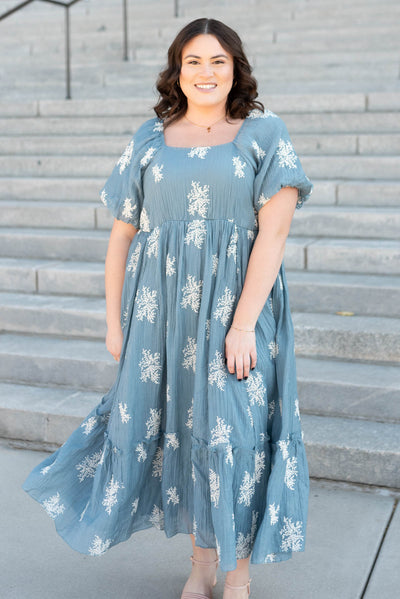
(228, 143)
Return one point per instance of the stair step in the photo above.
(47, 360)
(308, 291)
(349, 389)
(368, 295)
(334, 255)
(352, 450)
(367, 338)
(72, 316)
(60, 119)
(313, 144)
(354, 222)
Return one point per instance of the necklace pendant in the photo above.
(209, 129)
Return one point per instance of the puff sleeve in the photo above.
(122, 193)
(279, 165)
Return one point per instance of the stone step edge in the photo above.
(361, 102)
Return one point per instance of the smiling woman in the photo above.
(197, 304)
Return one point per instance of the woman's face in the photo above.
(205, 61)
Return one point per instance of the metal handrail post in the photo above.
(67, 54)
(125, 29)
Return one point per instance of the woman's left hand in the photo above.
(240, 352)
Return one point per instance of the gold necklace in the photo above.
(208, 127)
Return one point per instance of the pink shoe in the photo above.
(242, 586)
(190, 595)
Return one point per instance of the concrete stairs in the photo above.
(342, 254)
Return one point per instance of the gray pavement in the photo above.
(353, 535)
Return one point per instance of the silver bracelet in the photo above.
(247, 330)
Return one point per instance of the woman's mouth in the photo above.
(205, 87)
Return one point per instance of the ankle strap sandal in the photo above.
(241, 586)
(188, 594)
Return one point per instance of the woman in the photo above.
(200, 432)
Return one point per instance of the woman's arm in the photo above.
(115, 264)
(274, 220)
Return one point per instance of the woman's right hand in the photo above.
(114, 339)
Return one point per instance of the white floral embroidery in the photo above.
(199, 151)
(45, 469)
(232, 247)
(271, 408)
(173, 496)
(270, 557)
(283, 446)
(229, 455)
(170, 266)
(103, 197)
(172, 440)
(259, 114)
(192, 293)
(89, 424)
(259, 465)
(157, 517)
(125, 417)
(208, 325)
(224, 306)
(239, 166)
(134, 259)
(157, 462)
(217, 371)
(152, 242)
(141, 451)
(291, 473)
(250, 415)
(126, 157)
(250, 234)
(221, 432)
(296, 408)
(87, 467)
(153, 423)
(147, 157)
(247, 489)
(158, 125)
(134, 506)
(168, 393)
(146, 302)
(98, 546)
(274, 349)
(196, 233)
(150, 366)
(259, 151)
(286, 154)
(273, 512)
(256, 389)
(262, 200)
(244, 544)
(157, 172)
(198, 199)
(144, 221)
(128, 208)
(189, 421)
(189, 353)
(53, 506)
(215, 260)
(194, 526)
(214, 487)
(110, 498)
(291, 534)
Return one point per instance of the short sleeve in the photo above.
(279, 165)
(122, 193)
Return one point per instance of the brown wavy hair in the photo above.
(172, 103)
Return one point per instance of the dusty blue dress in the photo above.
(178, 442)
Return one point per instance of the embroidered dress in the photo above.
(178, 442)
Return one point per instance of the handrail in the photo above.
(67, 6)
